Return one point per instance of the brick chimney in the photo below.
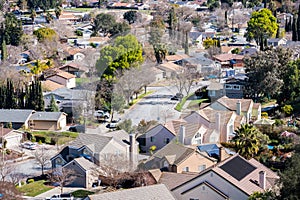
(132, 149)
(218, 122)
(262, 179)
(238, 107)
(181, 134)
(222, 153)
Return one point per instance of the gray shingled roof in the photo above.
(85, 164)
(179, 151)
(152, 192)
(14, 115)
(93, 141)
(46, 116)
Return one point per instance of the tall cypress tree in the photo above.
(294, 29)
(286, 25)
(3, 50)
(298, 24)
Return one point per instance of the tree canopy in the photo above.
(46, 33)
(249, 141)
(270, 74)
(261, 26)
(124, 53)
(130, 16)
(12, 30)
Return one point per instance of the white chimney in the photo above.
(181, 134)
(132, 149)
(238, 107)
(218, 122)
(262, 179)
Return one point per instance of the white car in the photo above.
(29, 145)
(101, 114)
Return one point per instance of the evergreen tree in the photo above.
(53, 107)
(278, 33)
(298, 24)
(294, 29)
(3, 50)
(286, 25)
(290, 24)
(40, 98)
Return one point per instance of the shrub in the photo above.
(278, 122)
(287, 109)
(30, 180)
(264, 115)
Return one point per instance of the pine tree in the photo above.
(294, 29)
(298, 24)
(286, 25)
(53, 107)
(3, 50)
(40, 99)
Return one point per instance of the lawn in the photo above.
(79, 9)
(182, 102)
(134, 101)
(80, 81)
(50, 137)
(34, 189)
(82, 193)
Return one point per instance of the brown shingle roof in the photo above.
(168, 66)
(231, 103)
(227, 56)
(49, 85)
(171, 180)
(176, 57)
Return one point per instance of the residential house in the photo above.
(98, 149)
(158, 191)
(235, 178)
(71, 101)
(175, 157)
(158, 136)
(74, 54)
(83, 173)
(172, 180)
(187, 133)
(218, 125)
(12, 137)
(177, 58)
(17, 117)
(74, 68)
(235, 86)
(276, 42)
(215, 90)
(201, 64)
(49, 86)
(48, 121)
(170, 69)
(64, 78)
(249, 51)
(246, 107)
(230, 60)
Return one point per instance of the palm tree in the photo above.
(248, 141)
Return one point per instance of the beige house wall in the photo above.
(44, 125)
(194, 162)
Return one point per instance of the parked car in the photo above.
(77, 128)
(101, 114)
(174, 98)
(113, 123)
(29, 145)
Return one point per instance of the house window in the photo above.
(185, 169)
(212, 93)
(230, 129)
(201, 167)
(166, 140)
(236, 87)
(152, 139)
(229, 87)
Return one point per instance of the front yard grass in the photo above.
(51, 137)
(134, 101)
(82, 193)
(182, 102)
(35, 188)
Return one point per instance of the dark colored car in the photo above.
(175, 98)
(77, 128)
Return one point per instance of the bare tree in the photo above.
(184, 80)
(63, 177)
(42, 157)
(6, 170)
(9, 191)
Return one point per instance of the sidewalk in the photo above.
(56, 191)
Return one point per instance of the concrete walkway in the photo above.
(56, 191)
